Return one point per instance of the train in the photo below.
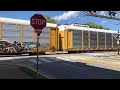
(18, 37)
(74, 38)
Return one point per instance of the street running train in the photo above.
(18, 37)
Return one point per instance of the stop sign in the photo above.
(38, 22)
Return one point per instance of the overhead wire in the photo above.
(78, 19)
(69, 19)
(73, 18)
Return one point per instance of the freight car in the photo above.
(73, 38)
(21, 31)
(54, 38)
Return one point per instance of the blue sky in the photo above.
(62, 16)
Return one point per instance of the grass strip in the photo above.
(32, 73)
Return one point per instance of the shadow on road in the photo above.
(61, 69)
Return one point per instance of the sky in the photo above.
(63, 17)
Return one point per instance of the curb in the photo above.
(42, 73)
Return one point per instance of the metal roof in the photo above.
(20, 21)
(67, 27)
(61, 27)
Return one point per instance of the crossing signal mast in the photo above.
(110, 15)
(118, 42)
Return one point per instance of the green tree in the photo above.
(94, 25)
(50, 20)
(107, 29)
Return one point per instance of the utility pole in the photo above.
(118, 42)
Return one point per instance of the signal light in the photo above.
(90, 12)
(112, 13)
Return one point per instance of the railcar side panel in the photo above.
(53, 37)
(44, 39)
(108, 40)
(28, 33)
(70, 39)
(114, 43)
(77, 39)
(93, 40)
(101, 37)
(11, 32)
(85, 38)
(61, 38)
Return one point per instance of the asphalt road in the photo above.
(72, 66)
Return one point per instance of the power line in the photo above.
(112, 15)
(70, 19)
(78, 19)
(117, 24)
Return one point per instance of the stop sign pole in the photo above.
(38, 22)
(37, 52)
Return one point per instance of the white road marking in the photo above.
(71, 58)
(76, 57)
(75, 66)
(43, 59)
(34, 61)
(53, 59)
(10, 58)
(62, 58)
(5, 58)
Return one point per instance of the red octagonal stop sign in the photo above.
(38, 22)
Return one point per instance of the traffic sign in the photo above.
(38, 31)
(38, 22)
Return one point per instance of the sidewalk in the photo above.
(12, 72)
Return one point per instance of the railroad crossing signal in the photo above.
(116, 35)
(111, 14)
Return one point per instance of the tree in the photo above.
(50, 20)
(94, 25)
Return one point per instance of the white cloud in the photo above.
(66, 15)
(103, 22)
(102, 13)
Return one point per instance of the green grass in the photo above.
(32, 73)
